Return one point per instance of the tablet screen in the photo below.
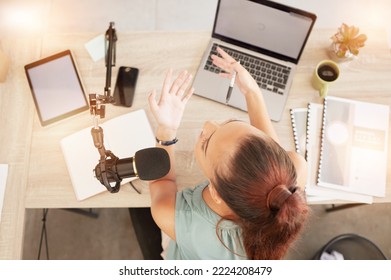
(56, 87)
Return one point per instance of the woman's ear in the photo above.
(215, 196)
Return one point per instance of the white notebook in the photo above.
(313, 190)
(123, 135)
(354, 148)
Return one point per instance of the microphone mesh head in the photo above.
(152, 163)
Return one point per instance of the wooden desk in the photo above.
(44, 179)
(16, 122)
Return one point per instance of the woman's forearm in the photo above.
(167, 135)
(258, 114)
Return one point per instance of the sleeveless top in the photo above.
(195, 229)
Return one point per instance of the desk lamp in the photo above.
(147, 164)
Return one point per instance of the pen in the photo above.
(231, 86)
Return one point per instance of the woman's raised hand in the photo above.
(168, 111)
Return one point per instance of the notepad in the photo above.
(123, 135)
(353, 155)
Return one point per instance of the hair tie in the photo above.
(277, 196)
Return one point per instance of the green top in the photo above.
(195, 229)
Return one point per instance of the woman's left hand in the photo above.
(228, 64)
(168, 111)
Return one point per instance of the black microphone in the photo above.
(147, 164)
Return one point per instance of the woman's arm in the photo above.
(256, 108)
(168, 112)
(257, 111)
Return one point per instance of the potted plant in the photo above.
(347, 41)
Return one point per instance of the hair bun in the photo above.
(277, 196)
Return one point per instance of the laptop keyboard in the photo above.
(268, 75)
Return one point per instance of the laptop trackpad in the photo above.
(211, 86)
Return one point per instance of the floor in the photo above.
(73, 236)
(111, 235)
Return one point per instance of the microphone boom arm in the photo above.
(110, 168)
(97, 101)
(111, 39)
(97, 110)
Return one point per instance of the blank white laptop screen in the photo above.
(276, 30)
(56, 87)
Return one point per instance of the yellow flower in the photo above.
(347, 40)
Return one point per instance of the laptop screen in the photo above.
(264, 26)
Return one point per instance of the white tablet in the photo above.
(56, 87)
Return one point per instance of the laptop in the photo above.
(267, 38)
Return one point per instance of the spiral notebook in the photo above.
(354, 145)
(314, 191)
(299, 128)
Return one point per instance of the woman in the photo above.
(252, 206)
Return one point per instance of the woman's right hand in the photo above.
(228, 64)
(168, 110)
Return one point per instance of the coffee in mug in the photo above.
(326, 72)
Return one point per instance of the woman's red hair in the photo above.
(258, 182)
